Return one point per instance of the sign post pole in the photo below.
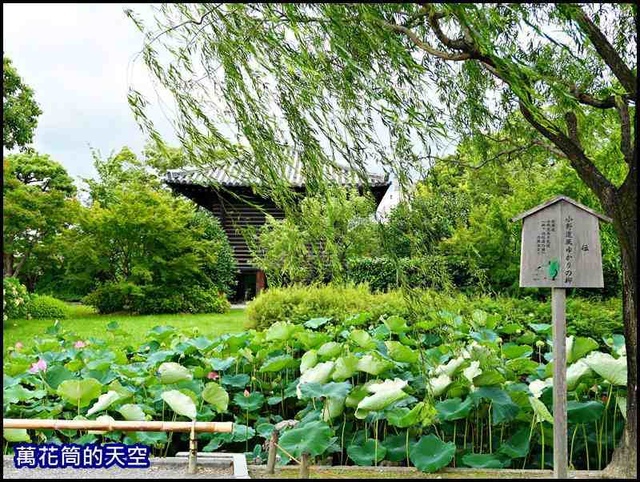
(558, 298)
(560, 250)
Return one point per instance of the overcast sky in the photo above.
(77, 58)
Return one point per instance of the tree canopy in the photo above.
(20, 111)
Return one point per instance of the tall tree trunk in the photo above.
(7, 264)
(622, 209)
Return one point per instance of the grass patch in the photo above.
(85, 323)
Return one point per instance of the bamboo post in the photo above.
(304, 467)
(193, 450)
(558, 298)
(273, 450)
(126, 426)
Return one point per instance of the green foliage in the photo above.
(384, 274)
(299, 304)
(316, 240)
(14, 299)
(20, 111)
(46, 307)
(38, 204)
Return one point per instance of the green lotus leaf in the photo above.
(132, 412)
(401, 353)
(345, 367)
(366, 453)
(57, 374)
(104, 401)
(503, 409)
(318, 374)
(384, 394)
(575, 372)
(540, 410)
(171, 372)
(311, 438)
(362, 339)
(333, 407)
(242, 433)
(220, 364)
(422, 413)
(331, 389)
(484, 335)
(236, 381)
(161, 333)
(278, 363)
(16, 435)
(617, 344)
(18, 393)
(488, 378)
(396, 324)
(517, 446)
(358, 319)
(437, 385)
(512, 350)
(330, 350)
(579, 347)
(180, 403)
(356, 395)
(308, 360)
(80, 392)
(451, 367)
(217, 396)
(281, 331)
(621, 403)
(614, 370)
(483, 461)
(311, 339)
(454, 409)
(584, 412)
(431, 454)
(397, 446)
(522, 366)
(251, 402)
(541, 328)
(316, 322)
(373, 365)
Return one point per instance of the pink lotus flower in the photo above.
(79, 344)
(213, 375)
(39, 366)
(19, 346)
(246, 392)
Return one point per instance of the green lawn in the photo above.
(85, 323)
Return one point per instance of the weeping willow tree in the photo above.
(363, 84)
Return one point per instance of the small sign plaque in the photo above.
(561, 246)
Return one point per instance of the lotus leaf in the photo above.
(217, 396)
(396, 324)
(104, 401)
(584, 412)
(308, 360)
(80, 392)
(362, 339)
(517, 446)
(483, 461)
(171, 372)
(312, 438)
(431, 454)
(132, 412)
(366, 453)
(400, 353)
(614, 370)
(316, 322)
(454, 409)
(278, 363)
(345, 367)
(251, 402)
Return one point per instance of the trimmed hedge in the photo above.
(42, 307)
(125, 296)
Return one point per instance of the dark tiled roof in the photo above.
(232, 176)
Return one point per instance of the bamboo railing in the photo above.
(127, 426)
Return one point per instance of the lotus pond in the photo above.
(447, 391)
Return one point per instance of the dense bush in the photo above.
(125, 296)
(384, 274)
(46, 307)
(298, 304)
(14, 299)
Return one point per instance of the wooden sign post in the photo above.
(560, 250)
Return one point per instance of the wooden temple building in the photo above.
(228, 194)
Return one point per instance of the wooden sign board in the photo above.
(561, 246)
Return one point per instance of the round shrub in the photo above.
(114, 297)
(14, 299)
(46, 307)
